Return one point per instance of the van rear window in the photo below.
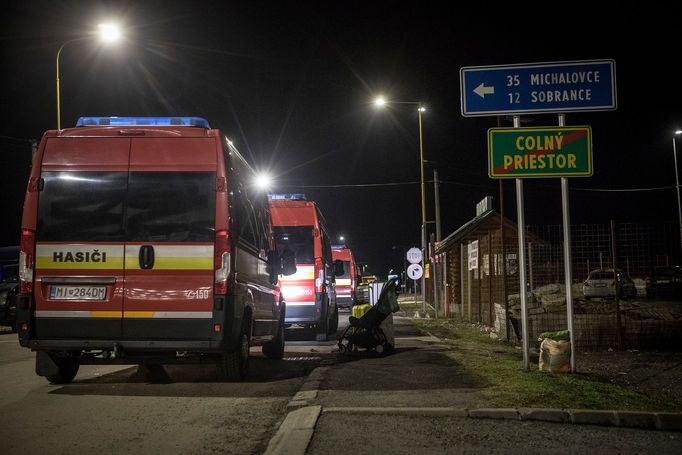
(346, 270)
(171, 207)
(82, 206)
(117, 206)
(299, 239)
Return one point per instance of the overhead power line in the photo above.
(361, 185)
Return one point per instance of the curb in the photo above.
(296, 431)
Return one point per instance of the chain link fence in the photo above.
(489, 293)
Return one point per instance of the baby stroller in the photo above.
(365, 332)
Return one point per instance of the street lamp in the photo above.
(677, 185)
(263, 182)
(381, 102)
(108, 33)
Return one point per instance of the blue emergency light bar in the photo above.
(339, 246)
(287, 197)
(143, 121)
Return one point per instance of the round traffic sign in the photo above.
(415, 271)
(414, 255)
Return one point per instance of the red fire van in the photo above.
(346, 283)
(299, 227)
(144, 242)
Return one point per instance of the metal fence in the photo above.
(485, 295)
(639, 249)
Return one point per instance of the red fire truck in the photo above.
(299, 227)
(346, 283)
(143, 242)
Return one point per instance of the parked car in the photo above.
(9, 282)
(8, 305)
(665, 282)
(601, 283)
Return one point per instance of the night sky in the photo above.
(291, 84)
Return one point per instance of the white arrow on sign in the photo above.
(482, 90)
(415, 271)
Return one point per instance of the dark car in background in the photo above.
(665, 281)
(9, 282)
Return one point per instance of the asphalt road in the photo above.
(408, 435)
(115, 409)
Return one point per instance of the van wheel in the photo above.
(67, 369)
(275, 349)
(234, 364)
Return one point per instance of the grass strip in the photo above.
(497, 368)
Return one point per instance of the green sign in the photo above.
(540, 152)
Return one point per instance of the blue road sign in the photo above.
(538, 87)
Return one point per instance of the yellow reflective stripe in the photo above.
(173, 263)
(105, 314)
(343, 282)
(138, 314)
(46, 262)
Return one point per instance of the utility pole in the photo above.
(436, 191)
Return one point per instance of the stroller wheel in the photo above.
(379, 349)
(342, 348)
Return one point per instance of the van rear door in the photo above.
(170, 230)
(80, 238)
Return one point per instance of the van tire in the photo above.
(234, 364)
(334, 322)
(274, 349)
(67, 370)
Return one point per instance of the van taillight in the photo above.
(319, 275)
(26, 261)
(221, 262)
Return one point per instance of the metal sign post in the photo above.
(414, 257)
(521, 226)
(568, 269)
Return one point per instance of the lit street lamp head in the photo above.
(263, 182)
(678, 132)
(109, 32)
(380, 101)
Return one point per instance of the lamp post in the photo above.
(677, 185)
(108, 33)
(381, 102)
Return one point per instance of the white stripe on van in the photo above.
(128, 314)
(63, 314)
(300, 303)
(183, 314)
(174, 251)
